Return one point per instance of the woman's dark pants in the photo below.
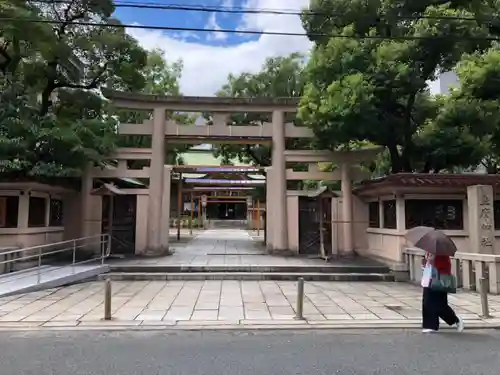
(435, 306)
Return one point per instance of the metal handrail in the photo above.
(55, 243)
(103, 240)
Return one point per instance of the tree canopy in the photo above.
(161, 78)
(53, 119)
(57, 144)
(279, 77)
(475, 105)
(367, 78)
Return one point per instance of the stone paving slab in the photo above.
(213, 304)
(223, 247)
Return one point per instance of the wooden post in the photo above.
(258, 217)
(321, 228)
(111, 209)
(192, 213)
(179, 207)
(199, 212)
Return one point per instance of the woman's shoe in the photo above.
(427, 330)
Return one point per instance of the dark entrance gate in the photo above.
(122, 221)
(315, 216)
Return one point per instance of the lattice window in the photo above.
(436, 213)
(56, 213)
(374, 215)
(9, 211)
(37, 212)
(390, 220)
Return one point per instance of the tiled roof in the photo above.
(431, 180)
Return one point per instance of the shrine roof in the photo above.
(430, 180)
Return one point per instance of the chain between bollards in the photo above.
(107, 299)
(483, 290)
(299, 314)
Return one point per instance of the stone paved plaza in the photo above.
(236, 303)
(232, 247)
(230, 303)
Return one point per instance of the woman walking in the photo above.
(435, 302)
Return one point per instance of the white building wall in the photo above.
(444, 84)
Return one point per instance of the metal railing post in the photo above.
(107, 299)
(483, 290)
(105, 249)
(39, 265)
(74, 251)
(36, 253)
(299, 314)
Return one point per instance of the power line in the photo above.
(246, 32)
(194, 8)
(243, 10)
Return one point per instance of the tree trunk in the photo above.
(46, 102)
(406, 159)
(49, 87)
(427, 167)
(491, 168)
(408, 146)
(396, 165)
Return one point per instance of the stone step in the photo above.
(292, 269)
(246, 276)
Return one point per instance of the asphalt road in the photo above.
(245, 353)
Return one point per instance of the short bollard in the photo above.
(299, 315)
(107, 299)
(483, 290)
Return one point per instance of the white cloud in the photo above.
(212, 24)
(206, 67)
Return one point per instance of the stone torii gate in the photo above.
(165, 131)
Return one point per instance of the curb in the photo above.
(246, 276)
(135, 325)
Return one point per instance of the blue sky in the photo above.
(208, 58)
(189, 19)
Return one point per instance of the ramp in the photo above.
(57, 264)
(35, 279)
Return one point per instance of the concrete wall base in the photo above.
(398, 269)
(159, 252)
(282, 253)
(401, 276)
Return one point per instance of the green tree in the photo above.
(67, 55)
(279, 77)
(161, 78)
(370, 84)
(474, 106)
(52, 145)
(53, 119)
(18, 38)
